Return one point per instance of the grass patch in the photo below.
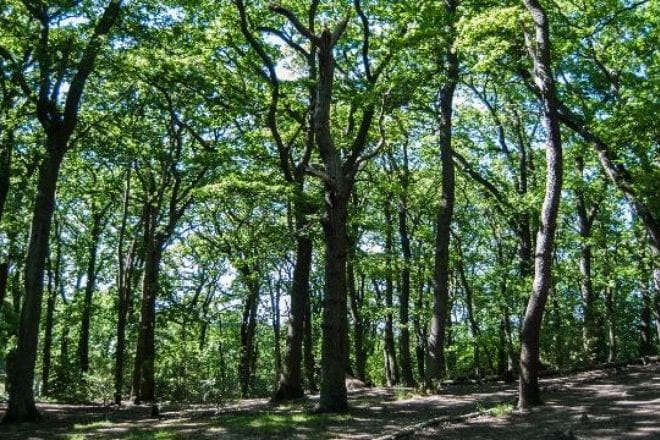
(404, 394)
(279, 423)
(499, 410)
(92, 425)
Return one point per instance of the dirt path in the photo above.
(625, 405)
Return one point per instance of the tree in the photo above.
(58, 127)
(435, 357)
(540, 51)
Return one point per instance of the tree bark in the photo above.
(143, 374)
(435, 355)
(469, 303)
(290, 383)
(275, 307)
(6, 150)
(356, 313)
(21, 399)
(404, 297)
(83, 343)
(48, 330)
(585, 222)
(308, 346)
(529, 392)
(391, 366)
(645, 331)
(248, 329)
(124, 286)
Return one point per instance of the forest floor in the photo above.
(601, 404)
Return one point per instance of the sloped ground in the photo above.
(594, 405)
(617, 405)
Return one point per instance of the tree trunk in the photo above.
(248, 329)
(290, 383)
(645, 331)
(48, 331)
(334, 342)
(356, 314)
(275, 306)
(420, 329)
(585, 220)
(611, 323)
(124, 285)
(308, 347)
(529, 393)
(143, 375)
(469, 303)
(21, 405)
(391, 367)
(83, 344)
(435, 354)
(404, 297)
(6, 150)
(4, 278)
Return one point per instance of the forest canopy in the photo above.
(205, 200)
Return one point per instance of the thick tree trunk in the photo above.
(83, 343)
(334, 342)
(529, 392)
(290, 383)
(435, 354)
(21, 399)
(404, 297)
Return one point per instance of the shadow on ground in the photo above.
(624, 405)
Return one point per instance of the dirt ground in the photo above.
(602, 404)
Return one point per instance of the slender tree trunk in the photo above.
(435, 354)
(585, 220)
(83, 343)
(124, 285)
(404, 297)
(48, 332)
(420, 329)
(6, 150)
(4, 278)
(611, 323)
(474, 327)
(248, 329)
(645, 331)
(356, 315)
(275, 306)
(529, 393)
(21, 399)
(308, 346)
(391, 367)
